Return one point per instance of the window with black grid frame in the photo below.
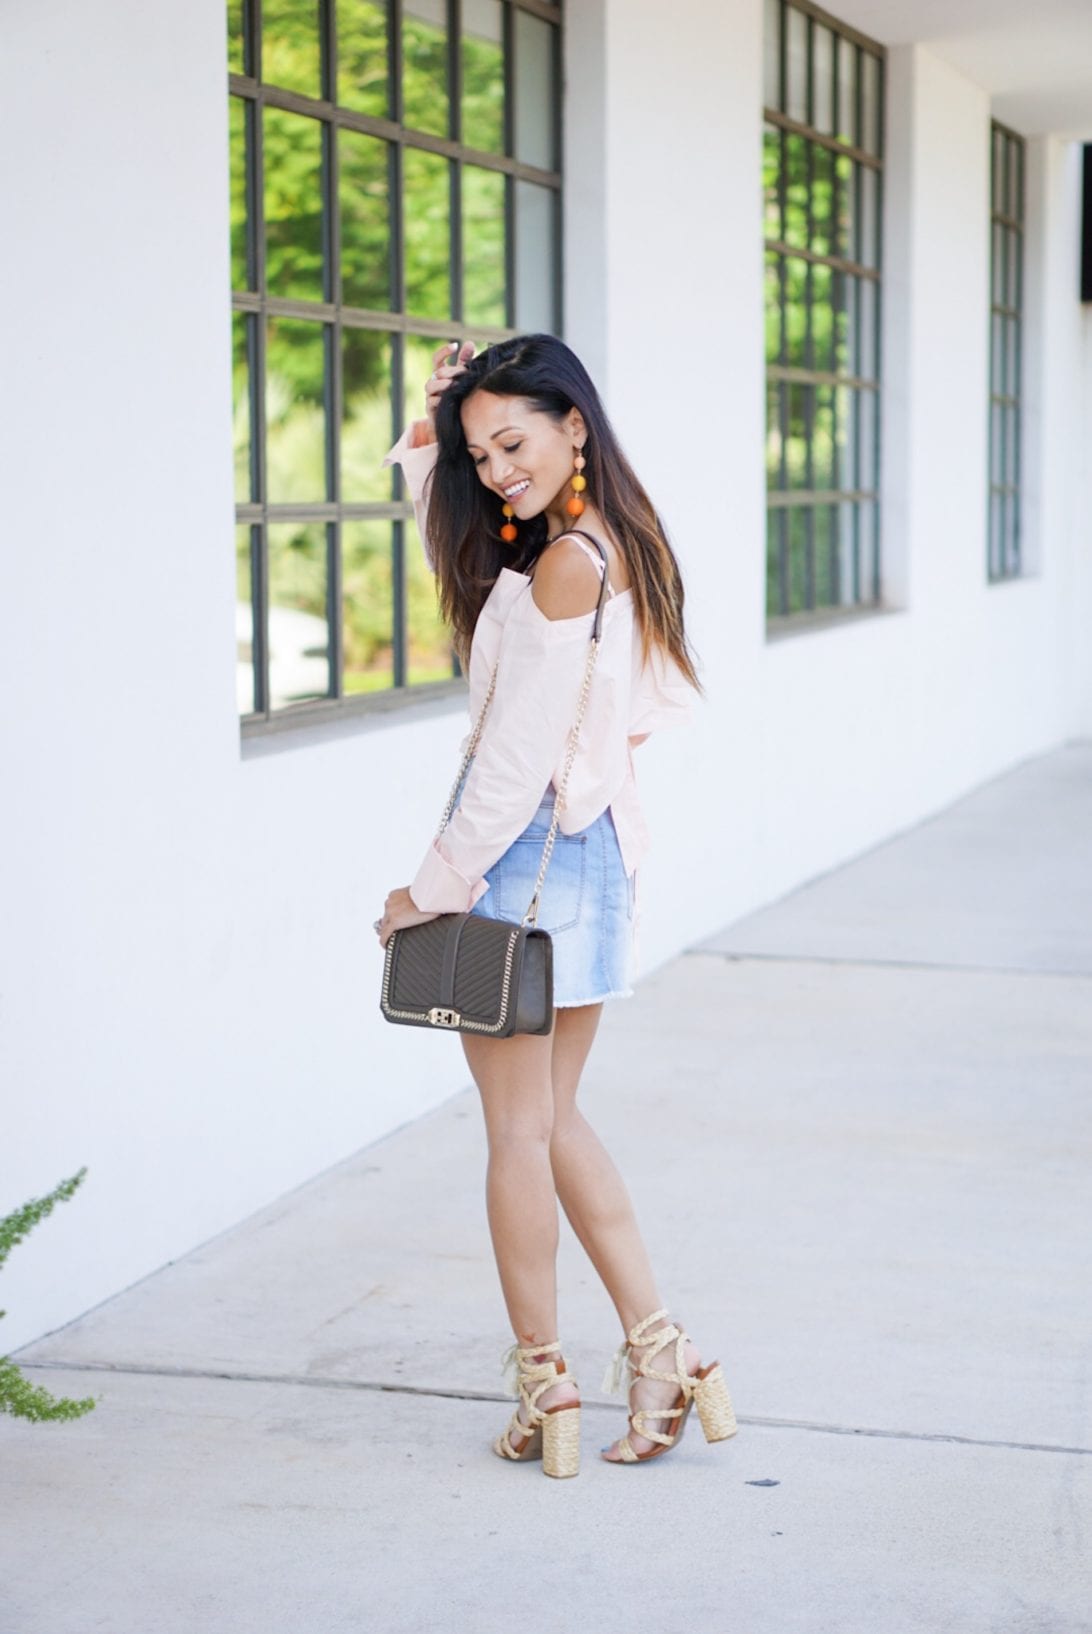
(1007, 164)
(823, 201)
(395, 183)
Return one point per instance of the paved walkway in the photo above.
(865, 1170)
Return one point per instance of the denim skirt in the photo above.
(587, 904)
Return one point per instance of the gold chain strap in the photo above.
(471, 750)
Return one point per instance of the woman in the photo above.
(514, 449)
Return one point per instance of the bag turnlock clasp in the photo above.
(440, 1017)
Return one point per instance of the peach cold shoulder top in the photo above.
(522, 749)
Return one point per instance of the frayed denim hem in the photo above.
(574, 1004)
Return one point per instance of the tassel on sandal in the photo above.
(549, 1433)
(706, 1389)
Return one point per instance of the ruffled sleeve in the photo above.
(661, 695)
(541, 669)
(417, 457)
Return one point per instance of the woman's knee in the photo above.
(518, 1115)
(569, 1122)
(512, 1136)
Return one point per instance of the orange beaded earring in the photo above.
(575, 505)
(509, 530)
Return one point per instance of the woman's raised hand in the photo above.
(448, 361)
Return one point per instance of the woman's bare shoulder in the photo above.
(566, 582)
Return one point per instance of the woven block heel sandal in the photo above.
(706, 1389)
(549, 1433)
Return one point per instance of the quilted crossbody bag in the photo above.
(463, 972)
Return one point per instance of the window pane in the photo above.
(867, 247)
(772, 305)
(796, 311)
(843, 206)
(868, 362)
(826, 570)
(299, 663)
(866, 551)
(235, 19)
(366, 431)
(848, 55)
(238, 147)
(775, 521)
(839, 323)
(772, 53)
(773, 434)
(870, 103)
(1012, 161)
(843, 546)
(293, 205)
(536, 142)
(842, 476)
(822, 199)
(426, 213)
(1012, 282)
(867, 447)
(536, 259)
(417, 352)
(795, 450)
(290, 46)
(996, 289)
(367, 606)
(363, 194)
(483, 75)
(823, 79)
(428, 641)
(483, 246)
(240, 374)
(852, 321)
(362, 61)
(771, 166)
(244, 624)
(797, 65)
(797, 547)
(424, 66)
(994, 558)
(295, 410)
(997, 353)
(854, 434)
(796, 192)
(1010, 443)
(822, 318)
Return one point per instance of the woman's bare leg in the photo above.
(513, 1079)
(591, 1190)
(597, 1204)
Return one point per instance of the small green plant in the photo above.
(17, 1395)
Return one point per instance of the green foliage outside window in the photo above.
(384, 186)
(821, 213)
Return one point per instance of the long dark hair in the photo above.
(465, 518)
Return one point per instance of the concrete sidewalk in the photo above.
(864, 1167)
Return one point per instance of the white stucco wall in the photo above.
(189, 975)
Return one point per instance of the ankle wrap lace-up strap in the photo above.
(527, 1376)
(651, 1345)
